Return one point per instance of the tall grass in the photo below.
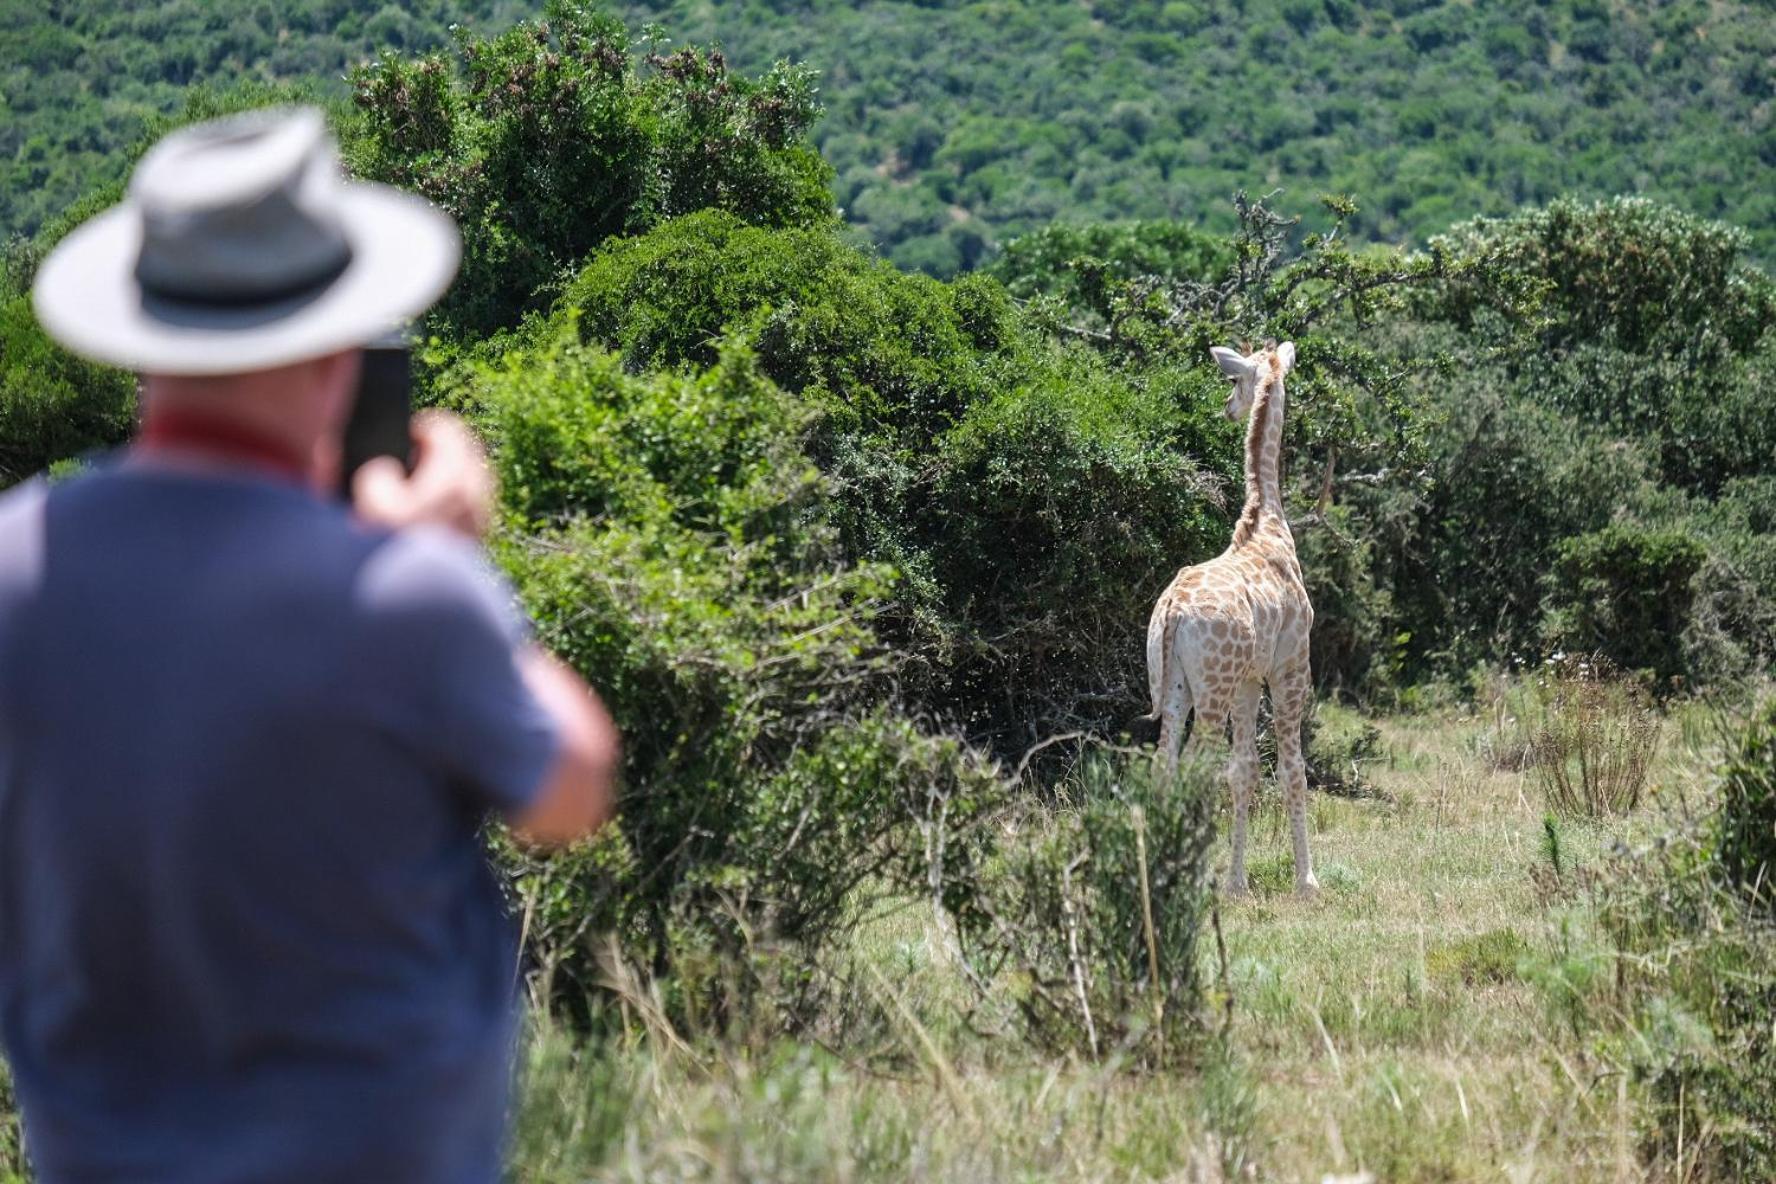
(1592, 738)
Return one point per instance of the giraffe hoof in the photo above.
(1237, 889)
(1307, 889)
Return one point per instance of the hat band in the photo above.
(305, 287)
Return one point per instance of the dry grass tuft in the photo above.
(1593, 738)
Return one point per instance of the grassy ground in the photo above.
(1413, 1023)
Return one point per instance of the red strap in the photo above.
(177, 428)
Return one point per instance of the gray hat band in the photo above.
(221, 256)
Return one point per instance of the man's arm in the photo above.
(452, 486)
(575, 798)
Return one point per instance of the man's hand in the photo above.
(451, 484)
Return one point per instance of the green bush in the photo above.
(1094, 898)
(659, 535)
(1646, 320)
(1626, 593)
(1696, 973)
(52, 405)
(1735, 627)
(546, 140)
(874, 349)
(1033, 497)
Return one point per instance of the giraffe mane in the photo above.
(1263, 403)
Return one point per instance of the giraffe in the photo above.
(1224, 627)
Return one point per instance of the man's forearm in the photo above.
(576, 798)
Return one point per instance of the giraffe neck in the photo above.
(1264, 450)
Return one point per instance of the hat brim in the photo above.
(404, 255)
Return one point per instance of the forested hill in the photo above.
(947, 120)
(80, 80)
(953, 126)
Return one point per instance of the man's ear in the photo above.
(337, 374)
(1233, 363)
(1286, 356)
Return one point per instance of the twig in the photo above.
(1091, 1029)
(1226, 977)
(1139, 817)
(1024, 765)
(940, 1064)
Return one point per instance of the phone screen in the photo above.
(381, 411)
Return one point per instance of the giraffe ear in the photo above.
(1233, 363)
(1286, 356)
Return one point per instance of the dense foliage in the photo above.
(951, 123)
(657, 534)
(546, 140)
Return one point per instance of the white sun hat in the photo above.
(239, 246)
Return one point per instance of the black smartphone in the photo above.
(382, 410)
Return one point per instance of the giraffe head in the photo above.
(1248, 371)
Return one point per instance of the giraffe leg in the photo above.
(1242, 778)
(1290, 694)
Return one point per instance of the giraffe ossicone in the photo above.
(1224, 629)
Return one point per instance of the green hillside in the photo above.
(952, 122)
(81, 80)
(953, 126)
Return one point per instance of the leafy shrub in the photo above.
(544, 141)
(1094, 898)
(1628, 594)
(658, 535)
(1734, 629)
(52, 404)
(1055, 515)
(1649, 321)
(1593, 738)
(1697, 973)
(1033, 497)
(873, 348)
(1643, 276)
(1466, 559)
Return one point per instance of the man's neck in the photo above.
(185, 436)
(263, 423)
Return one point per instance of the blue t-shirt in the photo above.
(247, 929)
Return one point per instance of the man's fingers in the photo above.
(451, 484)
(380, 489)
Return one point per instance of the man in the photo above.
(248, 735)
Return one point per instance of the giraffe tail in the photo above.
(1161, 635)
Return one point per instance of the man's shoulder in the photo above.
(428, 573)
(21, 533)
